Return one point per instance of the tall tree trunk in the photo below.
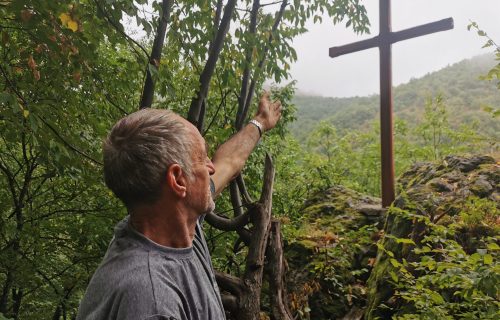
(57, 313)
(17, 296)
(4, 299)
(154, 58)
(208, 70)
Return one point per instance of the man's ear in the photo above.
(176, 180)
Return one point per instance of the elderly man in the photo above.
(158, 266)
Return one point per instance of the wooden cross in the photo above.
(384, 41)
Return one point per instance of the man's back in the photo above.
(140, 279)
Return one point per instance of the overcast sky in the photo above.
(358, 73)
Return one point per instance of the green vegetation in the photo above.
(444, 281)
(458, 85)
(68, 73)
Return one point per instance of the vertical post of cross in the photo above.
(386, 109)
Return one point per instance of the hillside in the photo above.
(465, 96)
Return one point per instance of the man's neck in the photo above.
(173, 228)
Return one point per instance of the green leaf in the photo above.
(488, 259)
(475, 257)
(394, 276)
(405, 241)
(395, 263)
(436, 297)
(493, 246)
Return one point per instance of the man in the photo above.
(157, 266)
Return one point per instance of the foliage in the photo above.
(56, 106)
(444, 281)
(334, 265)
(494, 73)
(479, 211)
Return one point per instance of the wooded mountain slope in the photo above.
(464, 94)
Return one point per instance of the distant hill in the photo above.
(465, 96)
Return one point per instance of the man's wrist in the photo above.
(263, 122)
(258, 125)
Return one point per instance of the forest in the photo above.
(300, 233)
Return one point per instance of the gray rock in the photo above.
(370, 209)
(481, 188)
(468, 164)
(440, 185)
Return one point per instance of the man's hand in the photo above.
(268, 113)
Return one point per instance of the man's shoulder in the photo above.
(123, 257)
(122, 288)
(120, 276)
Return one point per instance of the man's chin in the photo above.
(210, 207)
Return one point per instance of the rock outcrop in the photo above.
(440, 192)
(335, 271)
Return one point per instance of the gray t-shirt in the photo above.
(139, 279)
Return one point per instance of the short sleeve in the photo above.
(160, 317)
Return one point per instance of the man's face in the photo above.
(199, 196)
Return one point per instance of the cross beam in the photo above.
(384, 41)
(393, 37)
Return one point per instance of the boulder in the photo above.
(440, 192)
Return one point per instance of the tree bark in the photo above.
(17, 296)
(4, 300)
(246, 72)
(260, 217)
(226, 224)
(208, 70)
(276, 270)
(277, 21)
(154, 59)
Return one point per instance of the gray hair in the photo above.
(138, 151)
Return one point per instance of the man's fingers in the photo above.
(265, 95)
(277, 105)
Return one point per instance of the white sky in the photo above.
(358, 73)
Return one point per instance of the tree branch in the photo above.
(254, 267)
(263, 58)
(154, 59)
(252, 29)
(229, 283)
(235, 198)
(222, 102)
(25, 103)
(206, 75)
(243, 189)
(226, 224)
(117, 28)
(276, 271)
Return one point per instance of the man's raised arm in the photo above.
(231, 156)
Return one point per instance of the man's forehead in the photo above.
(195, 134)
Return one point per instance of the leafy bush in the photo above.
(445, 282)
